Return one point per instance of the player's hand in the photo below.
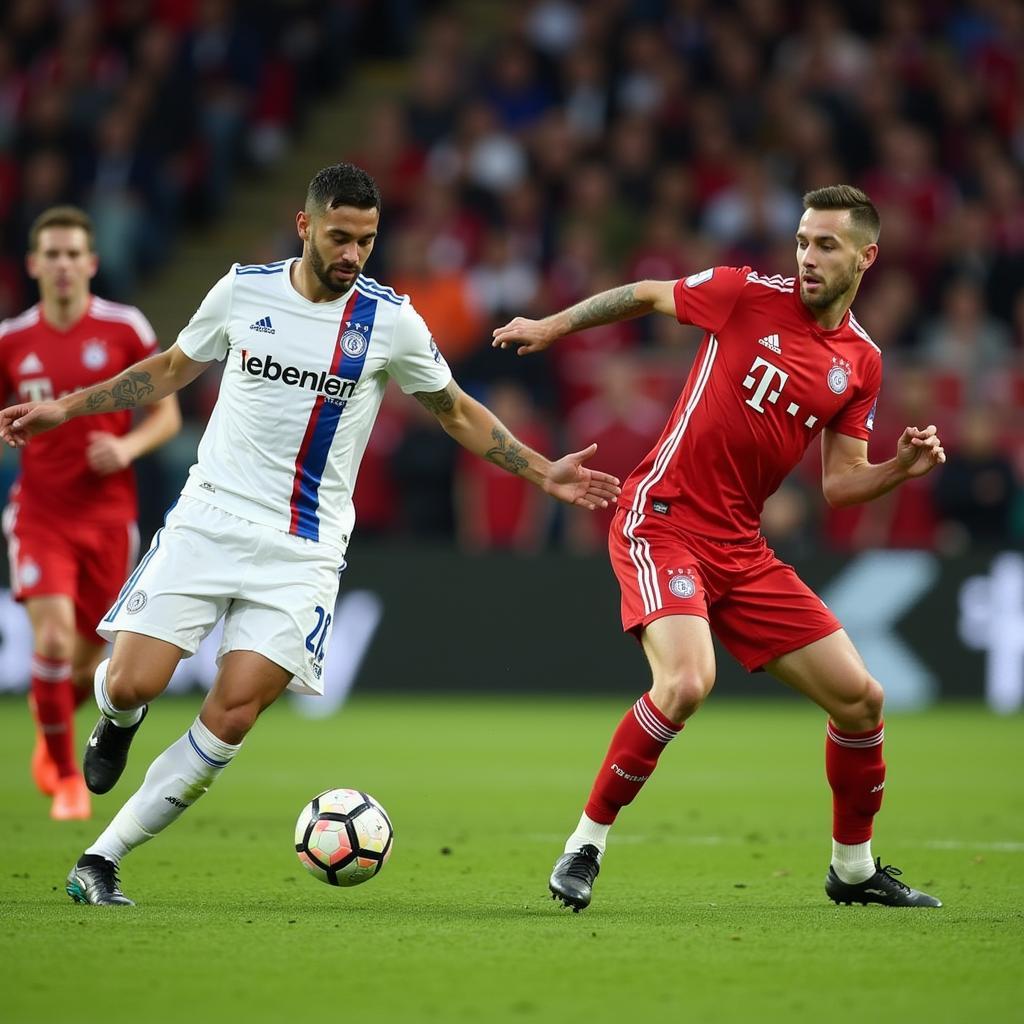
(528, 335)
(920, 451)
(572, 482)
(107, 453)
(20, 422)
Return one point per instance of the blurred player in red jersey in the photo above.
(70, 519)
(783, 360)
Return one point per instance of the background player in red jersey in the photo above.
(70, 520)
(783, 360)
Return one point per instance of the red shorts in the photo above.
(87, 562)
(755, 604)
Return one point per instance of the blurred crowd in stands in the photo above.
(145, 112)
(549, 149)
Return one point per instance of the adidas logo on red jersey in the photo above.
(771, 341)
(31, 364)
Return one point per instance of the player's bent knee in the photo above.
(54, 642)
(868, 706)
(861, 709)
(230, 724)
(679, 694)
(129, 687)
(874, 699)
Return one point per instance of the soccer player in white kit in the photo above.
(259, 533)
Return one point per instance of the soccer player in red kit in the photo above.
(70, 519)
(782, 361)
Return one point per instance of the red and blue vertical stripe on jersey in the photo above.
(323, 422)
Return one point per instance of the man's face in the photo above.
(338, 243)
(62, 263)
(830, 256)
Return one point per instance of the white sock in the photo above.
(588, 832)
(175, 781)
(853, 863)
(116, 715)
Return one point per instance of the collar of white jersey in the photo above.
(294, 293)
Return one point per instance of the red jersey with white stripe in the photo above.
(767, 379)
(38, 362)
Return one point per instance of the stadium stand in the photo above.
(540, 151)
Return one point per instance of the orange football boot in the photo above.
(71, 800)
(44, 769)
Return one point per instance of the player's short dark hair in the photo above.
(61, 217)
(342, 185)
(863, 215)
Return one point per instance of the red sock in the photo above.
(51, 690)
(856, 773)
(632, 755)
(79, 695)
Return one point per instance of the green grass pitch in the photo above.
(709, 907)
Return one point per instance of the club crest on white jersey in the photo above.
(353, 342)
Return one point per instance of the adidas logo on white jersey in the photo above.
(31, 364)
(772, 342)
(263, 325)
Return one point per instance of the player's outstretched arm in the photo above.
(477, 429)
(144, 383)
(631, 300)
(848, 478)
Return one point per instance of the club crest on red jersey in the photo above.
(839, 375)
(681, 584)
(29, 573)
(695, 280)
(94, 354)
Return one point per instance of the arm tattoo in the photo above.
(506, 453)
(126, 393)
(606, 308)
(131, 389)
(438, 402)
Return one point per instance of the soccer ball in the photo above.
(343, 836)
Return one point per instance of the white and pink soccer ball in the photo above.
(343, 837)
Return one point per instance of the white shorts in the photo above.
(276, 592)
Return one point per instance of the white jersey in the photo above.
(302, 385)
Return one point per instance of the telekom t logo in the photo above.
(38, 389)
(770, 374)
